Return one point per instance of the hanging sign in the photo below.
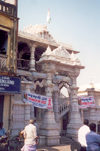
(86, 101)
(10, 84)
(39, 101)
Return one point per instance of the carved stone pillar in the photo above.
(27, 106)
(56, 106)
(92, 115)
(56, 98)
(75, 120)
(49, 127)
(32, 58)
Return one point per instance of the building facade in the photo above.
(8, 50)
(91, 113)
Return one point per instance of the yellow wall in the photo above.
(5, 21)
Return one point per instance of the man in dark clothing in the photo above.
(93, 139)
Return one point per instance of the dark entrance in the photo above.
(65, 120)
(1, 107)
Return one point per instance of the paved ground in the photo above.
(61, 147)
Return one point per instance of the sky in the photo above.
(76, 22)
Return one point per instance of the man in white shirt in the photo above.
(30, 137)
(82, 134)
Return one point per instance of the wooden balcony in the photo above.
(8, 9)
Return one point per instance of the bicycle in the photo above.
(4, 143)
(75, 145)
(15, 143)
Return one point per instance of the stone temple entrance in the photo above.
(48, 67)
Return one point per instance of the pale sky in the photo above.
(76, 22)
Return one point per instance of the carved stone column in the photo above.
(49, 127)
(56, 98)
(75, 120)
(32, 58)
(56, 106)
(32, 106)
(27, 106)
(92, 115)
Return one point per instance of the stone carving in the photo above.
(75, 60)
(41, 84)
(32, 45)
(69, 46)
(23, 78)
(39, 31)
(74, 73)
(62, 52)
(18, 113)
(68, 88)
(60, 55)
(49, 67)
(74, 92)
(59, 52)
(74, 107)
(35, 29)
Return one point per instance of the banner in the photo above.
(39, 101)
(86, 101)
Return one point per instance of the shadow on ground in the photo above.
(54, 148)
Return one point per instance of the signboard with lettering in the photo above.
(39, 101)
(86, 101)
(10, 84)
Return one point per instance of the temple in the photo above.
(32, 61)
(45, 67)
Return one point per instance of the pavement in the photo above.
(62, 147)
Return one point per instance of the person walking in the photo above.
(93, 139)
(30, 137)
(82, 133)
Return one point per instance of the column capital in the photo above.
(56, 88)
(74, 73)
(32, 44)
(49, 67)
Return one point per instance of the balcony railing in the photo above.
(8, 9)
(64, 106)
(3, 60)
(23, 64)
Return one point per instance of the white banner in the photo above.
(86, 101)
(39, 101)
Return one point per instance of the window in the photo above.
(3, 42)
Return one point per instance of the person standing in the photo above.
(37, 131)
(35, 124)
(93, 139)
(30, 137)
(82, 133)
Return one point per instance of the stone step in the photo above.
(66, 140)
